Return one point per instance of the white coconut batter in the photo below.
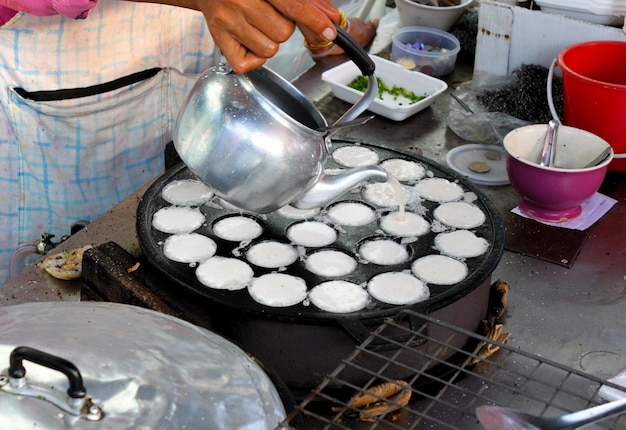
(459, 215)
(461, 243)
(439, 269)
(382, 194)
(404, 170)
(411, 225)
(384, 252)
(186, 192)
(271, 254)
(224, 273)
(311, 234)
(189, 248)
(339, 297)
(351, 214)
(439, 190)
(237, 228)
(278, 290)
(330, 263)
(398, 288)
(355, 156)
(290, 212)
(177, 219)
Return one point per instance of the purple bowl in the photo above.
(554, 193)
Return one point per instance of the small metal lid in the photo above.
(140, 368)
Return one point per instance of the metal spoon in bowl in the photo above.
(549, 144)
(498, 418)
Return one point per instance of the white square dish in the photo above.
(391, 74)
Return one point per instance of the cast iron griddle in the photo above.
(275, 226)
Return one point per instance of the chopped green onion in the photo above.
(360, 83)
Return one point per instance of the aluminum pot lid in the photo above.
(139, 369)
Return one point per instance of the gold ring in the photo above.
(343, 23)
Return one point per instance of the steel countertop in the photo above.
(572, 316)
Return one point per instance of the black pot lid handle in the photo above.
(77, 404)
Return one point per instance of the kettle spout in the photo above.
(329, 187)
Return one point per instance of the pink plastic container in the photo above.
(554, 193)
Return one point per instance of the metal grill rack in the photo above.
(447, 386)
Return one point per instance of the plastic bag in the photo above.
(469, 120)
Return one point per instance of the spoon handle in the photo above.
(547, 154)
(554, 130)
(591, 415)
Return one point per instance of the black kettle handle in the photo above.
(363, 61)
(356, 53)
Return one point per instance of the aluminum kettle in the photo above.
(260, 144)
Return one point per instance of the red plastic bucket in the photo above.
(594, 92)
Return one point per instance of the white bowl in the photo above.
(391, 74)
(412, 13)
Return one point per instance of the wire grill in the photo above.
(447, 385)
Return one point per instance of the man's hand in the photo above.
(250, 31)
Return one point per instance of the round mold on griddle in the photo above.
(382, 194)
(354, 156)
(386, 251)
(311, 234)
(330, 263)
(178, 219)
(365, 213)
(278, 290)
(420, 224)
(241, 227)
(481, 164)
(187, 192)
(189, 248)
(405, 171)
(224, 273)
(291, 213)
(270, 254)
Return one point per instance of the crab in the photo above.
(381, 399)
(487, 349)
(498, 301)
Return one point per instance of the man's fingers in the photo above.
(317, 15)
(240, 58)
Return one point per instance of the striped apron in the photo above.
(86, 108)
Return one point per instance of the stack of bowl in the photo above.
(414, 13)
